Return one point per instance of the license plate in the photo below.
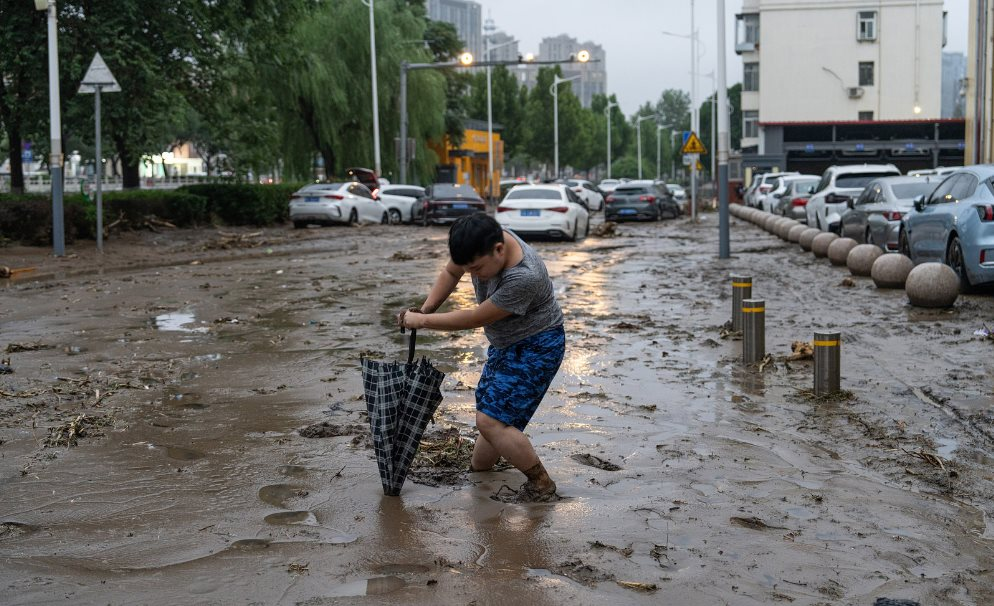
(460, 206)
(311, 199)
(627, 211)
(531, 213)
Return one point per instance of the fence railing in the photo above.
(43, 184)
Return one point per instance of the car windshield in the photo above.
(632, 190)
(907, 191)
(450, 190)
(322, 187)
(860, 180)
(806, 186)
(534, 194)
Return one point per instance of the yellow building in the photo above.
(468, 163)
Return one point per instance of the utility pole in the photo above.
(723, 140)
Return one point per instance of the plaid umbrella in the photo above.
(400, 400)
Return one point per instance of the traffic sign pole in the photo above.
(97, 78)
(693, 146)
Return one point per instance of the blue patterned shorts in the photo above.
(515, 378)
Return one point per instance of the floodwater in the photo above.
(687, 477)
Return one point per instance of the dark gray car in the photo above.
(637, 201)
(875, 216)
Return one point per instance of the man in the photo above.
(517, 308)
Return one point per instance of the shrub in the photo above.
(242, 204)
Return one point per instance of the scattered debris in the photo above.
(592, 461)
(627, 326)
(728, 333)
(766, 361)
(843, 395)
(83, 426)
(931, 459)
(754, 523)
(985, 332)
(847, 283)
(607, 229)
(19, 347)
(626, 551)
(801, 350)
(227, 240)
(327, 429)
(401, 256)
(297, 568)
(10, 272)
(643, 587)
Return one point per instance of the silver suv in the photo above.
(839, 185)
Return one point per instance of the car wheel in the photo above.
(385, 219)
(586, 230)
(954, 259)
(299, 224)
(395, 217)
(353, 217)
(903, 245)
(424, 218)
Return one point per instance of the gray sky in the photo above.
(641, 61)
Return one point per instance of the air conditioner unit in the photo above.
(855, 92)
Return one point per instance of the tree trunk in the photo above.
(129, 166)
(16, 166)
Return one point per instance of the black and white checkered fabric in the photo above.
(400, 399)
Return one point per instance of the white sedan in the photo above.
(588, 192)
(401, 201)
(326, 203)
(551, 210)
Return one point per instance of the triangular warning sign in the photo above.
(693, 145)
(99, 75)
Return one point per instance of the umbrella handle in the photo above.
(411, 341)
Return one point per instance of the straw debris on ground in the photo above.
(82, 426)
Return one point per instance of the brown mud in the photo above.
(184, 424)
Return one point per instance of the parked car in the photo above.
(667, 202)
(794, 198)
(404, 203)
(344, 202)
(839, 185)
(507, 184)
(552, 210)
(446, 202)
(679, 193)
(638, 200)
(607, 185)
(771, 201)
(875, 216)
(955, 225)
(761, 185)
(367, 177)
(938, 171)
(588, 192)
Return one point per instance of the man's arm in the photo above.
(483, 314)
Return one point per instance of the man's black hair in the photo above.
(473, 236)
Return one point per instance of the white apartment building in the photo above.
(466, 16)
(855, 64)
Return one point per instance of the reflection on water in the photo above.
(179, 322)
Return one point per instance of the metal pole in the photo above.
(490, 126)
(607, 112)
(638, 130)
(753, 330)
(55, 117)
(555, 120)
(695, 121)
(721, 120)
(403, 122)
(827, 346)
(741, 290)
(376, 104)
(99, 173)
(658, 148)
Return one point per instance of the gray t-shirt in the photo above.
(526, 291)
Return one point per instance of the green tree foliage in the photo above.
(735, 121)
(506, 106)
(540, 137)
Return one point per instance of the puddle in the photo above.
(185, 400)
(183, 454)
(292, 517)
(215, 357)
(278, 494)
(179, 322)
(374, 586)
(393, 569)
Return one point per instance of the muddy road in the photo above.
(184, 424)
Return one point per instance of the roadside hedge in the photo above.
(27, 218)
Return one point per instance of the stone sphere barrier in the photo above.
(795, 232)
(861, 258)
(838, 251)
(932, 285)
(806, 237)
(891, 270)
(821, 242)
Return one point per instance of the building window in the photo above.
(747, 32)
(750, 124)
(750, 77)
(866, 116)
(866, 73)
(866, 26)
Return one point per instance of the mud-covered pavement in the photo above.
(152, 445)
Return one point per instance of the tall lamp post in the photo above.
(607, 112)
(638, 136)
(554, 90)
(723, 140)
(695, 118)
(659, 149)
(376, 104)
(55, 118)
(490, 113)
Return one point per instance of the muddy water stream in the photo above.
(688, 478)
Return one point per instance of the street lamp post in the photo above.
(607, 112)
(490, 113)
(659, 149)
(554, 90)
(638, 136)
(723, 140)
(376, 105)
(55, 118)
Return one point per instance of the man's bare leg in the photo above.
(498, 438)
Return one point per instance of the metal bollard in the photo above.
(741, 289)
(753, 330)
(827, 362)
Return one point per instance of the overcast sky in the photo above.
(641, 61)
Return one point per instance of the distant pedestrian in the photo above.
(517, 308)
